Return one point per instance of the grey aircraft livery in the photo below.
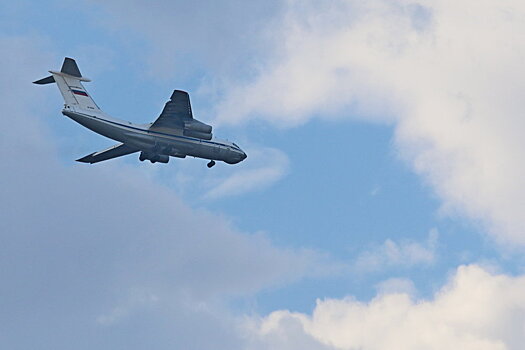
(175, 132)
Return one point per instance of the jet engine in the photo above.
(195, 128)
(153, 157)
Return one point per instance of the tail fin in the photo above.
(69, 81)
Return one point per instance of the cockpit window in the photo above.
(235, 145)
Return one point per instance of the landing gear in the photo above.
(211, 163)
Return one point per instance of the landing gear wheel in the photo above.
(211, 163)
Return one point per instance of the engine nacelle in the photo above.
(195, 125)
(154, 158)
(197, 134)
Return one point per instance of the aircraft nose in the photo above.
(244, 155)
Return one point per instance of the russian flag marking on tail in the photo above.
(79, 92)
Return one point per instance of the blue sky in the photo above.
(384, 173)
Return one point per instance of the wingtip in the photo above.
(86, 159)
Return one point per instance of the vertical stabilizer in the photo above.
(70, 67)
(69, 81)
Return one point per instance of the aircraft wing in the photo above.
(115, 151)
(176, 111)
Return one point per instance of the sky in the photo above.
(381, 204)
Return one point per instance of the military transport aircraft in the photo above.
(174, 133)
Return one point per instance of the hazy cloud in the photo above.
(405, 253)
(266, 166)
(84, 248)
(219, 36)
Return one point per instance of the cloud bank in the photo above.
(475, 310)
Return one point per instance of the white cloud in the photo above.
(447, 74)
(266, 166)
(474, 310)
(405, 253)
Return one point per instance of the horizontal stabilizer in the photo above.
(47, 80)
(115, 151)
(69, 67)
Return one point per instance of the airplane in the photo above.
(175, 132)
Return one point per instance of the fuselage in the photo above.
(155, 142)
